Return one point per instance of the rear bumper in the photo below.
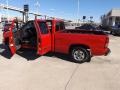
(108, 52)
(99, 52)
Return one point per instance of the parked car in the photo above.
(87, 27)
(115, 30)
(36, 34)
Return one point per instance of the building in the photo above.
(5, 19)
(112, 18)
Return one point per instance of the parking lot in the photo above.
(55, 72)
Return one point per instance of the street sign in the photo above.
(84, 17)
(26, 8)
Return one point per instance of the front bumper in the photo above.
(108, 52)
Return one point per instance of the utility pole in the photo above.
(7, 11)
(37, 5)
(78, 9)
(26, 10)
(91, 17)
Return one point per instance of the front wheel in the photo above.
(80, 55)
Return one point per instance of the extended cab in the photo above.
(51, 36)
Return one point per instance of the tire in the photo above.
(113, 33)
(80, 55)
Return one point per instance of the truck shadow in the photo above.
(60, 56)
(29, 54)
(5, 52)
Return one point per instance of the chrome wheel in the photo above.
(78, 55)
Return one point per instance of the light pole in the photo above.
(78, 8)
(7, 11)
(37, 4)
(26, 10)
(7, 2)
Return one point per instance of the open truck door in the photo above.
(43, 37)
(14, 43)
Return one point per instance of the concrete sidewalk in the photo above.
(53, 73)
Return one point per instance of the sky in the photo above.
(67, 9)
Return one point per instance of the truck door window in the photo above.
(43, 28)
(57, 26)
(60, 26)
(49, 23)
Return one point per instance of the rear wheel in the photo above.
(80, 55)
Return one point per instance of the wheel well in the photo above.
(79, 45)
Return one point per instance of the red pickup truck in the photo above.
(51, 36)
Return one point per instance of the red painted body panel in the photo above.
(96, 43)
(61, 41)
(11, 39)
(44, 40)
(53, 36)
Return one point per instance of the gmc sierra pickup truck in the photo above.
(51, 36)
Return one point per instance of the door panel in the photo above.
(45, 43)
(43, 37)
(14, 43)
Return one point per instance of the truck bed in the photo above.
(83, 32)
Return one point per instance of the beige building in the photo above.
(112, 18)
